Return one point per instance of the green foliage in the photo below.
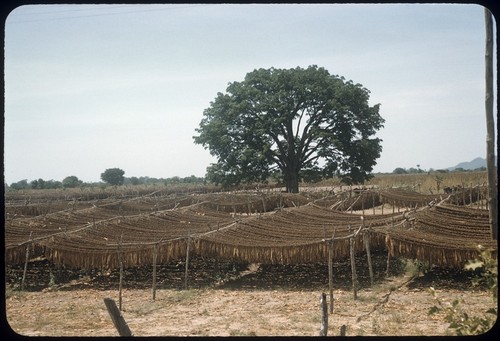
(414, 267)
(71, 182)
(146, 180)
(399, 170)
(302, 122)
(489, 265)
(38, 184)
(23, 184)
(134, 181)
(113, 176)
(458, 319)
(42, 184)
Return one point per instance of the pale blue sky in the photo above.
(91, 87)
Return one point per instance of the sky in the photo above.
(92, 87)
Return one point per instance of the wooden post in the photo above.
(353, 268)
(388, 263)
(120, 261)
(330, 271)
(117, 318)
(362, 195)
(366, 239)
(478, 195)
(26, 262)
(324, 316)
(187, 262)
(490, 127)
(155, 253)
(373, 201)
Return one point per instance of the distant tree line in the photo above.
(412, 170)
(115, 177)
(112, 176)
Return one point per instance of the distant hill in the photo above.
(478, 162)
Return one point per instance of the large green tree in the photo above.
(113, 176)
(301, 122)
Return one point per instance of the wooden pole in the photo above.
(117, 318)
(366, 239)
(187, 262)
(330, 267)
(490, 128)
(120, 261)
(479, 190)
(389, 252)
(26, 262)
(330, 271)
(324, 316)
(353, 268)
(373, 201)
(155, 253)
(362, 203)
(388, 263)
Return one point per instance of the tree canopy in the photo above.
(113, 176)
(304, 123)
(71, 182)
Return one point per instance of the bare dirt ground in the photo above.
(248, 300)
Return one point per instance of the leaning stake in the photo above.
(117, 318)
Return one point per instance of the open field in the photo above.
(253, 300)
(258, 259)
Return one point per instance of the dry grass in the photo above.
(390, 308)
(426, 182)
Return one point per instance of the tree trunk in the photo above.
(292, 181)
(293, 185)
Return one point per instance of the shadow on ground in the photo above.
(205, 273)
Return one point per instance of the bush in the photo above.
(459, 320)
(71, 182)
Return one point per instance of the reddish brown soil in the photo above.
(227, 299)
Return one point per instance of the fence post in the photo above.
(187, 262)
(324, 316)
(26, 262)
(155, 253)
(330, 273)
(353, 268)
(366, 239)
(120, 261)
(117, 318)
